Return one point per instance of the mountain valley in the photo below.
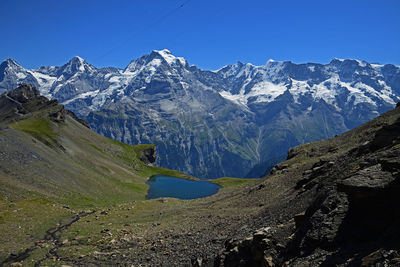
(72, 197)
(237, 121)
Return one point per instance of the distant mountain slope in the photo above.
(229, 122)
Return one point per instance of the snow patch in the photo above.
(238, 99)
(45, 82)
(81, 96)
(376, 66)
(134, 68)
(168, 105)
(299, 88)
(20, 75)
(267, 91)
(171, 59)
(385, 94)
(81, 63)
(361, 63)
(264, 91)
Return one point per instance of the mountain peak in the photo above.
(163, 51)
(169, 57)
(349, 62)
(11, 63)
(335, 59)
(10, 60)
(77, 61)
(154, 60)
(77, 64)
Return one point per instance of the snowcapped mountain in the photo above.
(11, 74)
(230, 122)
(360, 81)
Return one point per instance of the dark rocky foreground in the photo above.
(350, 203)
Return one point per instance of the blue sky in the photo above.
(207, 33)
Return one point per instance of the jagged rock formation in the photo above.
(25, 100)
(21, 101)
(148, 156)
(229, 122)
(348, 215)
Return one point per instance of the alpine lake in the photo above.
(167, 186)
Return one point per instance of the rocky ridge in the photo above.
(25, 100)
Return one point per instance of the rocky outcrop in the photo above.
(23, 93)
(25, 100)
(148, 156)
(251, 251)
(353, 215)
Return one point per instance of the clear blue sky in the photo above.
(208, 33)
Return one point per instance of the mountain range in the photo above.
(236, 121)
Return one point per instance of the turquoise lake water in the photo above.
(167, 186)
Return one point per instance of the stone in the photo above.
(148, 156)
(267, 262)
(372, 258)
(198, 262)
(307, 172)
(299, 218)
(259, 235)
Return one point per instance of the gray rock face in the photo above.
(148, 156)
(20, 102)
(217, 123)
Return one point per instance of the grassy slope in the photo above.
(231, 183)
(80, 167)
(55, 170)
